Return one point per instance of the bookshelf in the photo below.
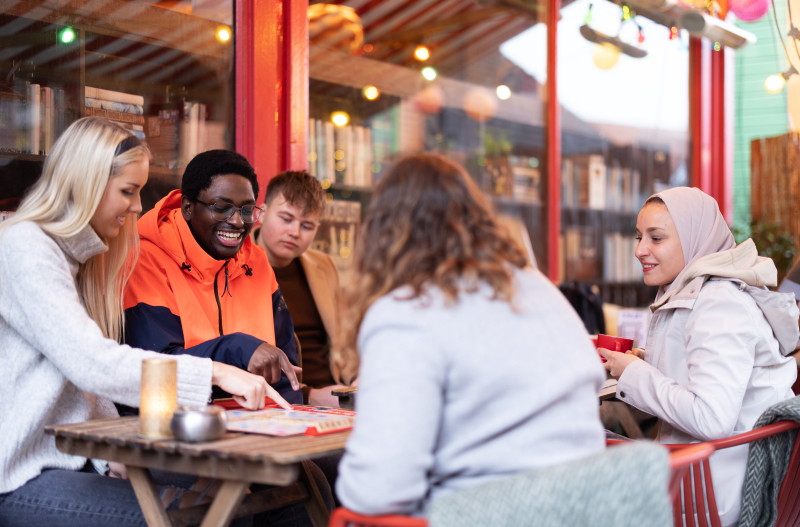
(161, 73)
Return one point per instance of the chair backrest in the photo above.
(681, 461)
(695, 505)
(624, 485)
(681, 458)
(342, 517)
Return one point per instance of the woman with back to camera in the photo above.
(472, 365)
(717, 338)
(64, 258)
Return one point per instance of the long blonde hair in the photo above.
(64, 199)
(427, 225)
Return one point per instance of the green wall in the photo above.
(756, 113)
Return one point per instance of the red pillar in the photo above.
(553, 132)
(271, 75)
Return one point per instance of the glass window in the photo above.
(623, 89)
(426, 75)
(164, 70)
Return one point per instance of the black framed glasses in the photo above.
(222, 211)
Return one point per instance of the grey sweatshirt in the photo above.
(57, 367)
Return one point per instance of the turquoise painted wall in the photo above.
(756, 113)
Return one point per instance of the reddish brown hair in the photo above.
(428, 225)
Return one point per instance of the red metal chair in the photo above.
(342, 517)
(695, 505)
(681, 459)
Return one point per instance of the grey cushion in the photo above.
(625, 485)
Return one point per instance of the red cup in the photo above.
(614, 343)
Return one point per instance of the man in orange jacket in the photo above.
(201, 286)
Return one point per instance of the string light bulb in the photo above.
(422, 53)
(503, 92)
(371, 92)
(340, 118)
(223, 34)
(775, 83)
(67, 35)
(429, 73)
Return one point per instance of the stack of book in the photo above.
(126, 109)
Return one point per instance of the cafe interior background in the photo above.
(567, 113)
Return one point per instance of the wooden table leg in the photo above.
(314, 503)
(223, 507)
(613, 412)
(153, 510)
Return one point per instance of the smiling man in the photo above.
(198, 285)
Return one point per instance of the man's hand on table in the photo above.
(269, 361)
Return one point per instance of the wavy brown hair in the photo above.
(427, 225)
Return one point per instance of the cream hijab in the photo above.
(701, 228)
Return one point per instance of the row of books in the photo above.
(337, 232)
(584, 260)
(125, 109)
(619, 262)
(586, 181)
(516, 177)
(340, 154)
(31, 118)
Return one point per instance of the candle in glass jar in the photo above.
(158, 397)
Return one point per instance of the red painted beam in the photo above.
(553, 143)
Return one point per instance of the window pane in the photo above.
(463, 97)
(161, 69)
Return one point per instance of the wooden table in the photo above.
(347, 395)
(236, 459)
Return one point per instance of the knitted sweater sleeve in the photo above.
(39, 301)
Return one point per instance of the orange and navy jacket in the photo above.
(181, 300)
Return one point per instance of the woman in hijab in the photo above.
(717, 338)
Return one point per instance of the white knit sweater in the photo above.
(57, 367)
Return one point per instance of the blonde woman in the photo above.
(64, 258)
(472, 365)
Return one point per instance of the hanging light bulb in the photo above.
(429, 73)
(775, 83)
(371, 92)
(422, 53)
(223, 34)
(503, 92)
(340, 118)
(606, 56)
(67, 35)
